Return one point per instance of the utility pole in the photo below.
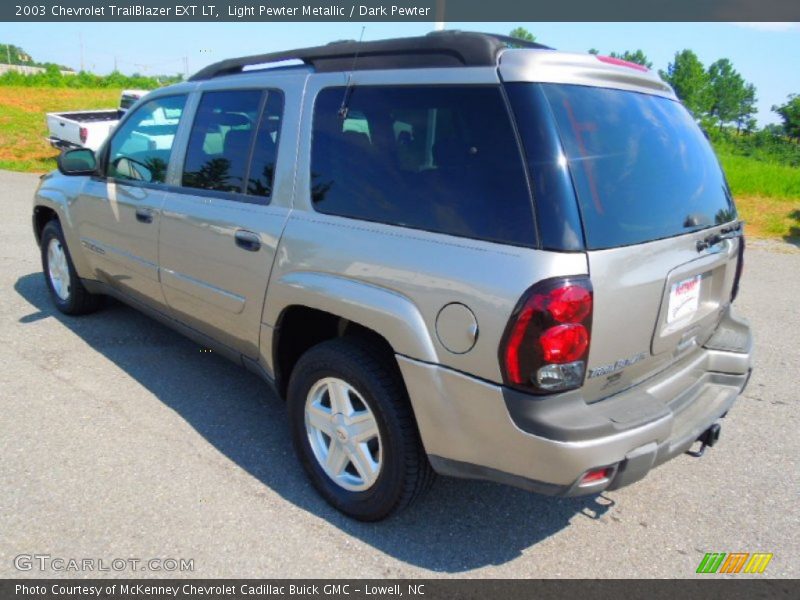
(439, 15)
(8, 52)
(186, 67)
(115, 63)
(80, 38)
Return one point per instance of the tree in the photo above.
(594, 51)
(523, 34)
(728, 92)
(14, 55)
(790, 115)
(689, 79)
(745, 121)
(637, 56)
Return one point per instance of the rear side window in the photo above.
(642, 168)
(140, 149)
(442, 159)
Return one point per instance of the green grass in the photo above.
(751, 177)
(23, 130)
(767, 195)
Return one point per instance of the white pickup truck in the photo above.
(88, 128)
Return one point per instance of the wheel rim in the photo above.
(58, 269)
(343, 434)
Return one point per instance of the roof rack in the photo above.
(437, 49)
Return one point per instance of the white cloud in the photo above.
(771, 26)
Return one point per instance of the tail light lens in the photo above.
(546, 342)
(84, 134)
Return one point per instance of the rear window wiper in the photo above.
(733, 230)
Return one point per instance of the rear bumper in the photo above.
(474, 429)
(61, 144)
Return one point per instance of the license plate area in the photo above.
(694, 295)
(684, 299)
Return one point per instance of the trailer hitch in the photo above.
(708, 439)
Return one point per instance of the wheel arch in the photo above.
(42, 215)
(51, 202)
(308, 308)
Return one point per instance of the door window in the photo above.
(219, 145)
(141, 148)
(265, 151)
(231, 144)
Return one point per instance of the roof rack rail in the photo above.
(436, 49)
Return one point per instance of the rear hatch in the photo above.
(653, 203)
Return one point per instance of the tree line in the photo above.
(59, 76)
(14, 55)
(53, 77)
(718, 96)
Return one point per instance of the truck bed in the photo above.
(91, 116)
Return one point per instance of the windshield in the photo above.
(641, 166)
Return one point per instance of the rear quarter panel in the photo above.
(419, 272)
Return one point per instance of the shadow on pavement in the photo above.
(460, 525)
(794, 230)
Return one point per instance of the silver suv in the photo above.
(454, 254)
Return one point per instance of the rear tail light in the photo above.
(84, 134)
(546, 341)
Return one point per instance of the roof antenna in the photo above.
(343, 109)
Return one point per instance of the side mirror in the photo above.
(77, 161)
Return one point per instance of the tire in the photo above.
(66, 289)
(376, 389)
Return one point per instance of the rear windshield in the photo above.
(642, 168)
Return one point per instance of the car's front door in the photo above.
(221, 226)
(118, 212)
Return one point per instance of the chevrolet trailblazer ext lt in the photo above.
(453, 253)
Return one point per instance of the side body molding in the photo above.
(386, 312)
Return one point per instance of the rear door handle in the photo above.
(144, 215)
(247, 240)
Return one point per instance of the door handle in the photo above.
(144, 215)
(247, 240)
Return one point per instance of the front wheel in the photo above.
(354, 430)
(66, 289)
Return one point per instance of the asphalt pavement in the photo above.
(120, 439)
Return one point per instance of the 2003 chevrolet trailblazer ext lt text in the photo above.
(448, 254)
(239, 11)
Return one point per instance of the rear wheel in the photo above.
(354, 431)
(66, 289)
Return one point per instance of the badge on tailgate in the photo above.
(684, 299)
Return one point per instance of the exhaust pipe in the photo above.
(708, 439)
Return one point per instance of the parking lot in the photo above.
(122, 439)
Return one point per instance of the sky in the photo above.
(764, 53)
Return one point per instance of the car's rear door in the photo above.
(222, 223)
